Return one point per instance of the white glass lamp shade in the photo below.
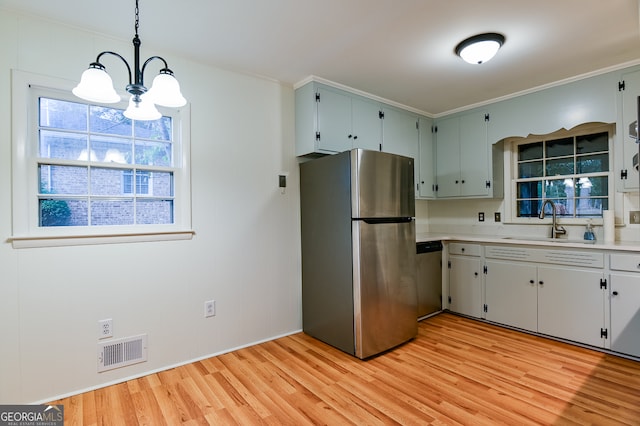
(145, 110)
(96, 86)
(165, 91)
(480, 52)
(481, 48)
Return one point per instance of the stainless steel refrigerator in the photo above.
(359, 251)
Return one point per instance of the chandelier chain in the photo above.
(137, 18)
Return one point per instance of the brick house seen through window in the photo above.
(98, 168)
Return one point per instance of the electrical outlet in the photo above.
(634, 217)
(105, 328)
(496, 217)
(481, 217)
(209, 308)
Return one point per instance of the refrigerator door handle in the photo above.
(375, 220)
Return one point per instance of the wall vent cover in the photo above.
(122, 352)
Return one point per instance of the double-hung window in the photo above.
(88, 171)
(571, 169)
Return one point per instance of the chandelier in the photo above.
(96, 85)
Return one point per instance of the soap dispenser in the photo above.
(588, 232)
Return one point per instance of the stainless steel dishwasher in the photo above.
(429, 277)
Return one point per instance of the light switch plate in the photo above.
(634, 217)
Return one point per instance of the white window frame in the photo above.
(26, 232)
(511, 172)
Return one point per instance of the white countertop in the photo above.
(530, 241)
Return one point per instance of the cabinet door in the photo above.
(448, 158)
(400, 133)
(427, 159)
(511, 294)
(334, 120)
(629, 115)
(366, 124)
(465, 286)
(571, 304)
(400, 136)
(625, 313)
(474, 155)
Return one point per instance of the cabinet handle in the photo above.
(350, 136)
(355, 137)
(456, 182)
(531, 281)
(462, 249)
(475, 273)
(541, 282)
(462, 180)
(615, 293)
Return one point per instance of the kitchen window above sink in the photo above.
(571, 168)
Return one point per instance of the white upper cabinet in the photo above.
(475, 162)
(400, 132)
(465, 159)
(365, 124)
(467, 150)
(334, 121)
(427, 176)
(626, 173)
(400, 136)
(546, 111)
(329, 121)
(448, 157)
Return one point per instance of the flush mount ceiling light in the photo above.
(96, 85)
(480, 48)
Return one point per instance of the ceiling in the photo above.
(400, 50)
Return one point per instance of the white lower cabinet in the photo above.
(625, 313)
(465, 279)
(625, 304)
(571, 304)
(511, 293)
(559, 301)
(571, 294)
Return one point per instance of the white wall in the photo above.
(245, 253)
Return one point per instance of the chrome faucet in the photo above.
(555, 229)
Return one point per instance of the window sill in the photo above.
(78, 240)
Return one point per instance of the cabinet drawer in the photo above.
(465, 249)
(625, 262)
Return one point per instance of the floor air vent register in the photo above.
(122, 352)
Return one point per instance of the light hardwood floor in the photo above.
(456, 372)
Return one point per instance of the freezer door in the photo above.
(382, 185)
(384, 285)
